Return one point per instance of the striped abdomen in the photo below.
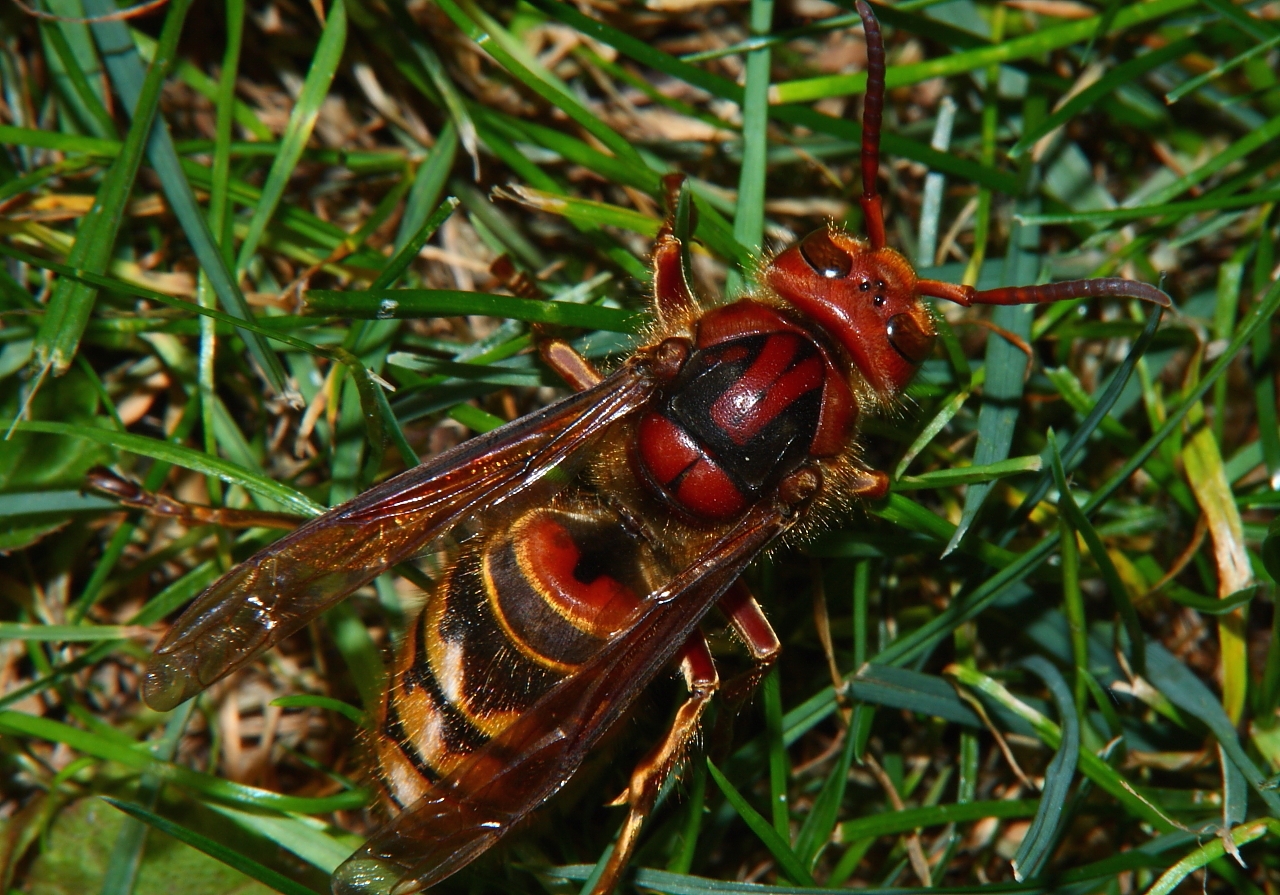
(520, 610)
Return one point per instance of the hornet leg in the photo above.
(699, 671)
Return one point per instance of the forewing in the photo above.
(468, 811)
(282, 587)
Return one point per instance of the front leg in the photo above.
(672, 286)
(700, 675)
(672, 280)
(578, 372)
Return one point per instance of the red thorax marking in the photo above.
(768, 387)
(746, 318)
(679, 468)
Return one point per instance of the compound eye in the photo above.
(824, 256)
(909, 338)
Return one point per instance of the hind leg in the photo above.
(702, 679)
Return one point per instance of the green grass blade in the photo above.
(779, 769)
(1194, 84)
(1038, 844)
(66, 633)
(1041, 41)
(1119, 593)
(788, 862)
(821, 821)
(95, 744)
(302, 121)
(1188, 692)
(35, 138)
(1108, 83)
(228, 856)
(1074, 612)
(998, 416)
(967, 475)
(86, 102)
(1214, 605)
(748, 219)
(934, 184)
(588, 213)
(475, 419)
(1097, 414)
(72, 302)
(428, 184)
(126, 71)
(1167, 210)
(892, 823)
(179, 455)
(940, 420)
(311, 700)
(1255, 27)
(305, 838)
(1211, 851)
(388, 304)
(39, 503)
(413, 244)
(361, 654)
(914, 691)
(695, 806)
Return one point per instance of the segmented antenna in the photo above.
(1113, 287)
(872, 115)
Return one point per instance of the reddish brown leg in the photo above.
(699, 671)
(130, 494)
(569, 365)
(1113, 287)
(517, 281)
(753, 628)
(872, 115)
(672, 289)
(750, 623)
(577, 372)
(869, 484)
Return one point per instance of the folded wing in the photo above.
(500, 783)
(277, 591)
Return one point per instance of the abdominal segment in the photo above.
(520, 609)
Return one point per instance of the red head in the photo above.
(866, 299)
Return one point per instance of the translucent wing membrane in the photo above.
(469, 810)
(276, 592)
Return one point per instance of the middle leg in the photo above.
(753, 629)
